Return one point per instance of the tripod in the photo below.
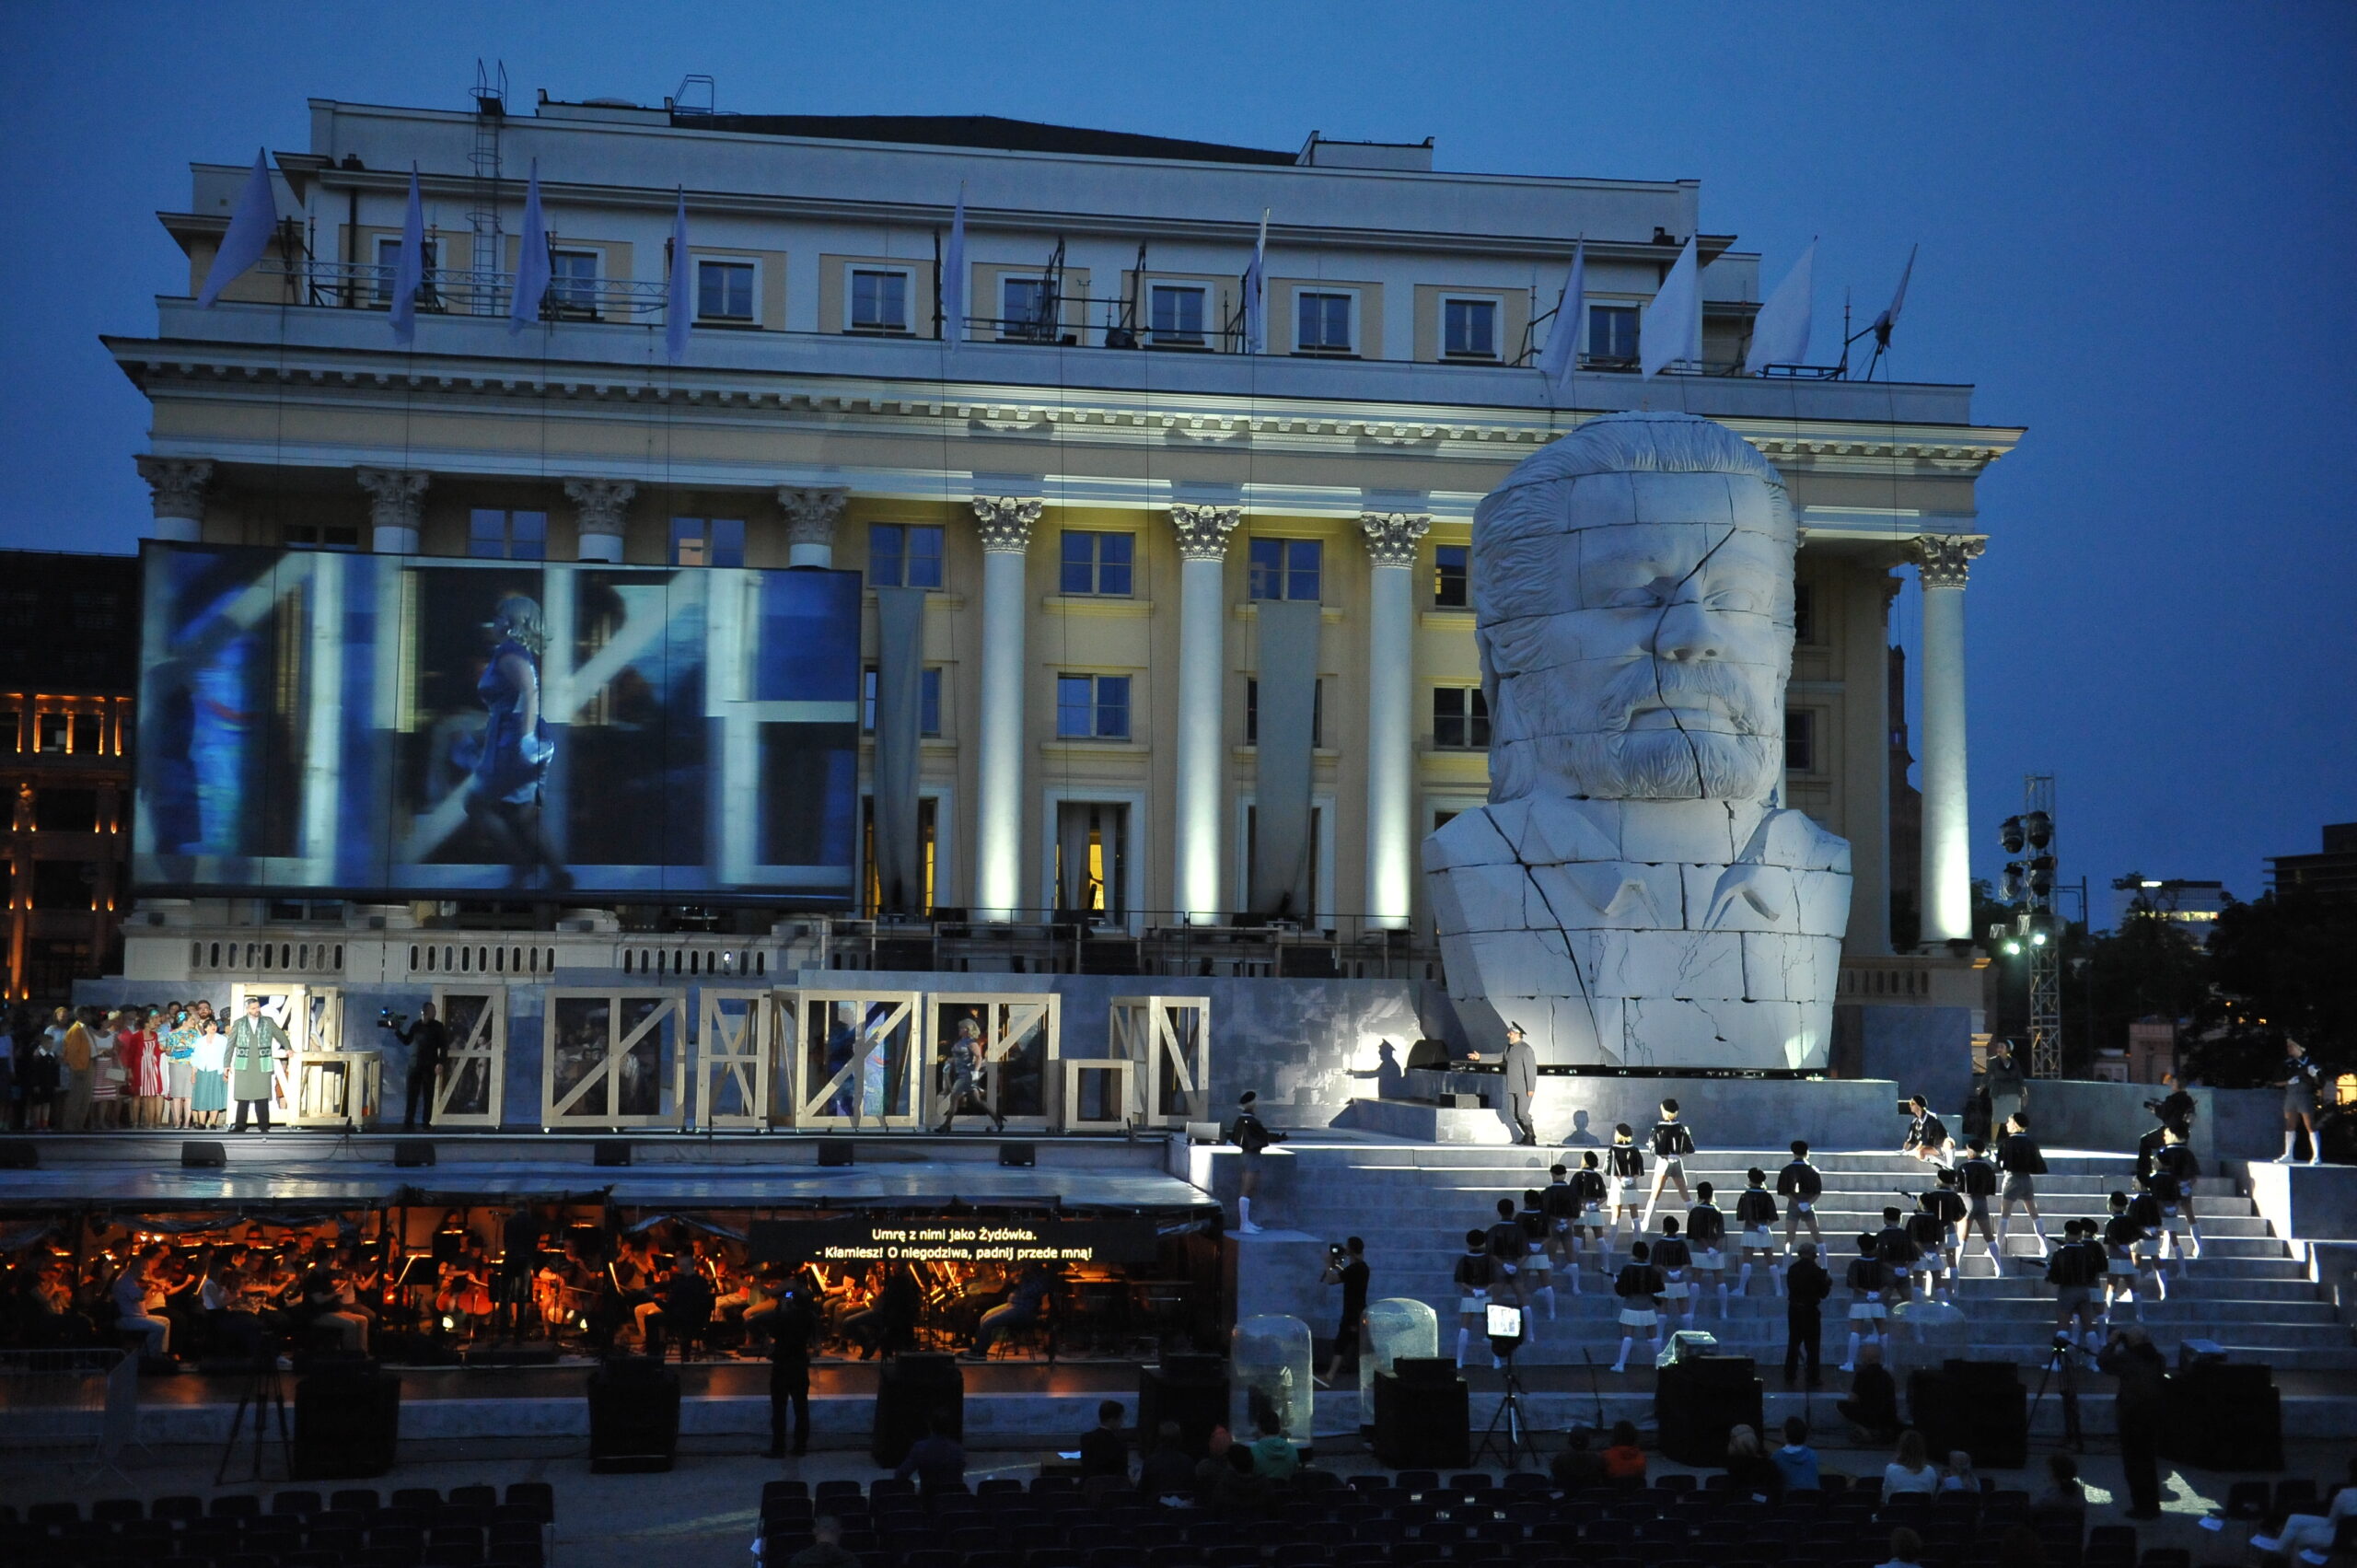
(2066, 1356)
(265, 1395)
(1508, 1433)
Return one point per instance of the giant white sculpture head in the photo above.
(1633, 589)
(1636, 882)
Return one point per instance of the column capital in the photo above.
(395, 497)
(1202, 530)
(178, 484)
(811, 514)
(1391, 535)
(1944, 560)
(602, 503)
(1005, 523)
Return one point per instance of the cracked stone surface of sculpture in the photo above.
(1635, 894)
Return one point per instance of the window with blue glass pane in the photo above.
(928, 700)
(724, 291)
(1093, 708)
(507, 536)
(707, 541)
(1023, 307)
(1612, 332)
(1449, 576)
(1471, 328)
(880, 301)
(903, 555)
(1177, 313)
(1284, 568)
(1097, 562)
(1325, 323)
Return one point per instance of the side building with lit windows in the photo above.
(1097, 477)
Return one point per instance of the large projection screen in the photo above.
(432, 727)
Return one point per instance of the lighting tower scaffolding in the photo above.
(2030, 889)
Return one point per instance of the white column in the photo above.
(1943, 561)
(396, 499)
(1004, 525)
(1390, 715)
(601, 506)
(1203, 684)
(178, 491)
(810, 519)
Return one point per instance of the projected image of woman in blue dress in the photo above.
(508, 764)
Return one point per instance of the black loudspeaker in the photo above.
(1978, 1406)
(1425, 1369)
(634, 1416)
(1189, 1390)
(1423, 1426)
(420, 1150)
(915, 1391)
(1025, 1155)
(837, 1151)
(532, 1352)
(196, 1155)
(19, 1154)
(1700, 1401)
(2223, 1416)
(612, 1151)
(347, 1425)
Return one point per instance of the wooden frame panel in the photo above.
(1169, 1039)
(603, 1060)
(735, 1032)
(1023, 1036)
(474, 1075)
(1114, 1104)
(851, 1059)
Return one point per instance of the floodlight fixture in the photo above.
(2009, 834)
(2037, 827)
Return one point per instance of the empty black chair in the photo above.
(476, 1496)
(308, 1557)
(359, 1499)
(246, 1560)
(425, 1499)
(452, 1554)
(298, 1505)
(183, 1506)
(115, 1510)
(540, 1497)
(931, 1557)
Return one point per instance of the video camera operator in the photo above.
(1346, 1266)
(429, 1043)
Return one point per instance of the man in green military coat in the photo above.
(255, 1047)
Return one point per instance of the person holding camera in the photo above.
(1346, 1266)
(429, 1043)
(2141, 1399)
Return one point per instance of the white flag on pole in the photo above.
(1256, 292)
(1780, 332)
(409, 266)
(251, 222)
(1889, 317)
(953, 277)
(680, 301)
(531, 260)
(1562, 355)
(1671, 329)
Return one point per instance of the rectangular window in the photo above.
(52, 732)
(928, 701)
(1093, 708)
(322, 536)
(67, 811)
(65, 884)
(1023, 309)
(707, 541)
(724, 291)
(1286, 568)
(1450, 563)
(1252, 714)
(1325, 323)
(1803, 614)
(1469, 329)
(1460, 718)
(903, 555)
(96, 610)
(1175, 313)
(508, 536)
(389, 256)
(573, 284)
(1097, 562)
(1800, 740)
(1612, 332)
(880, 301)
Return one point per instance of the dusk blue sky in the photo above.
(2136, 226)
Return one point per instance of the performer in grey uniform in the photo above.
(1522, 1084)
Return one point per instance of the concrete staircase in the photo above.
(1413, 1203)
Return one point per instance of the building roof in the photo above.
(979, 131)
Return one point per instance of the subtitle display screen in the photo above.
(433, 727)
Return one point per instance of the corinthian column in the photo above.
(810, 519)
(178, 484)
(1943, 563)
(1390, 715)
(396, 498)
(600, 508)
(1203, 621)
(1004, 525)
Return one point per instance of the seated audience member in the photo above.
(1225, 1481)
(1273, 1458)
(1912, 1470)
(1958, 1476)
(1796, 1458)
(1103, 1450)
(1872, 1404)
(1750, 1471)
(826, 1547)
(1905, 1550)
(936, 1459)
(1167, 1471)
(2065, 1500)
(2315, 1532)
(2020, 1548)
(1624, 1462)
(1578, 1465)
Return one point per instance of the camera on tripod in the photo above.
(388, 1019)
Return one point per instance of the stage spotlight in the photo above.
(2013, 946)
(2041, 877)
(2037, 827)
(2009, 834)
(2038, 938)
(2010, 890)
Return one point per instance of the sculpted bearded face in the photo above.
(1633, 589)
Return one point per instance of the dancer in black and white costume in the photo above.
(1755, 1217)
(1800, 1185)
(1672, 1142)
(1640, 1288)
(1867, 1313)
(1706, 1233)
(1592, 1192)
